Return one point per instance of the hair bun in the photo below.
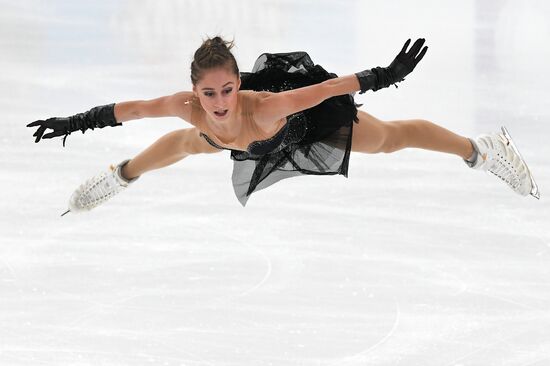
(214, 52)
(220, 42)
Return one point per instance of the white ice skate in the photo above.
(498, 155)
(99, 189)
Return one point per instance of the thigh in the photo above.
(370, 134)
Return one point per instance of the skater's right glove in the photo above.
(403, 64)
(97, 117)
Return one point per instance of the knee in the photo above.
(375, 136)
(370, 136)
(397, 136)
(390, 140)
(177, 142)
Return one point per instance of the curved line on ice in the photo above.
(381, 341)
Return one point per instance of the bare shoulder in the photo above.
(273, 107)
(262, 110)
(182, 104)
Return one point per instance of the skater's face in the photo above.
(217, 92)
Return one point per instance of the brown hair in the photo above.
(213, 53)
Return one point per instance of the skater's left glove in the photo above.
(403, 64)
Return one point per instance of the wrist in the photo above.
(103, 115)
(341, 85)
(97, 117)
(367, 80)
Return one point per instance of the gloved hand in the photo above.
(99, 117)
(403, 64)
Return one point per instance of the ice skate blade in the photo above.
(66, 212)
(534, 187)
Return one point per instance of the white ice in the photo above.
(413, 260)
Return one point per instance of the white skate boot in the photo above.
(99, 189)
(497, 154)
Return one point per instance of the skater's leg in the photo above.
(427, 135)
(167, 150)
(371, 135)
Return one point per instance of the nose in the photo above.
(219, 102)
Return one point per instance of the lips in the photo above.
(221, 113)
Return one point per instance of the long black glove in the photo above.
(99, 117)
(403, 64)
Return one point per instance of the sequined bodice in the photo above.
(256, 146)
(292, 132)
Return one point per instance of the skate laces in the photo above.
(98, 190)
(503, 162)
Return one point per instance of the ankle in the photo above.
(127, 173)
(471, 152)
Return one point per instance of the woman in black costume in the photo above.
(287, 117)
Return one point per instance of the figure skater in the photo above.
(288, 117)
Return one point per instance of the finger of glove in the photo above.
(39, 133)
(416, 46)
(404, 49)
(53, 134)
(421, 55)
(36, 123)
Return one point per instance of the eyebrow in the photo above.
(222, 86)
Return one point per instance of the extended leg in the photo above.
(427, 135)
(495, 153)
(372, 135)
(167, 150)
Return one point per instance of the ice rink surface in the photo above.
(413, 260)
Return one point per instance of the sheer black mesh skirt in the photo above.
(316, 141)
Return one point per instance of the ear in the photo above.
(195, 91)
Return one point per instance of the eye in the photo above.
(227, 91)
(208, 94)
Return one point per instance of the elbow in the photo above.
(341, 85)
(139, 110)
(136, 115)
(316, 95)
(329, 87)
(126, 111)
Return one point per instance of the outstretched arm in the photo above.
(275, 106)
(166, 106)
(113, 115)
(278, 105)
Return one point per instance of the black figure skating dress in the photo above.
(316, 141)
